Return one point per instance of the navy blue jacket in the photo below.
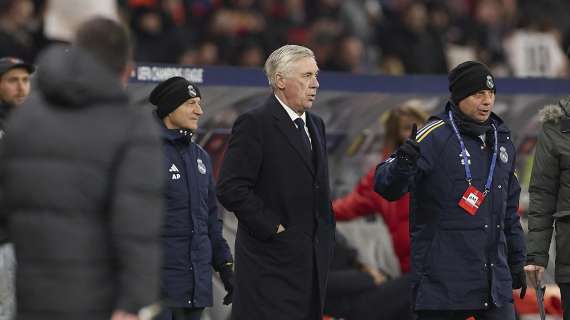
(459, 261)
(192, 233)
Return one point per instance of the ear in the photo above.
(279, 81)
(126, 74)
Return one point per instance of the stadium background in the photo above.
(375, 55)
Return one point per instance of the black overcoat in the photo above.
(267, 179)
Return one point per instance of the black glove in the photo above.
(519, 281)
(409, 152)
(227, 275)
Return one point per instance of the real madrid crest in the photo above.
(201, 166)
(503, 154)
(490, 83)
(468, 158)
(191, 91)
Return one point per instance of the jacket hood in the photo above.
(553, 113)
(70, 77)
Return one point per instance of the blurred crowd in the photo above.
(514, 37)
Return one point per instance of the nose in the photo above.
(315, 83)
(21, 86)
(198, 110)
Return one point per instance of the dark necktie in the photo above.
(301, 128)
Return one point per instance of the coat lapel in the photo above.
(288, 129)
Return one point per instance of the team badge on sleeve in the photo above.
(201, 166)
(503, 154)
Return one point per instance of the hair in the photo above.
(107, 41)
(392, 123)
(280, 60)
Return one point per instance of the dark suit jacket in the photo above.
(268, 179)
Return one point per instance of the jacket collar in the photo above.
(498, 121)
(180, 135)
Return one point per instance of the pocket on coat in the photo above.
(464, 248)
(289, 248)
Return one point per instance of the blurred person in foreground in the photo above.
(468, 246)
(192, 240)
(81, 185)
(364, 201)
(549, 206)
(275, 179)
(14, 89)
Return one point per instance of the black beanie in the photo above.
(171, 94)
(469, 77)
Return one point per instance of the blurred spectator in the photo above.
(397, 36)
(208, 53)
(356, 291)
(14, 89)
(489, 29)
(237, 18)
(15, 37)
(349, 55)
(288, 23)
(411, 42)
(249, 54)
(364, 201)
(154, 31)
(189, 55)
(87, 241)
(535, 48)
(63, 17)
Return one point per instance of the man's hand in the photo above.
(535, 274)
(122, 315)
(280, 228)
(376, 275)
(409, 152)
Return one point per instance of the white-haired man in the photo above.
(275, 179)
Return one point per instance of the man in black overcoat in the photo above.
(275, 179)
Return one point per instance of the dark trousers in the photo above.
(506, 312)
(180, 314)
(388, 301)
(565, 290)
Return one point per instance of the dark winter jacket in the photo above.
(82, 184)
(192, 234)
(550, 192)
(459, 261)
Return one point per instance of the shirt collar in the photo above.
(292, 114)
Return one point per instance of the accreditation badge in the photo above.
(471, 200)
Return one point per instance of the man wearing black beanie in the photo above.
(192, 239)
(468, 247)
